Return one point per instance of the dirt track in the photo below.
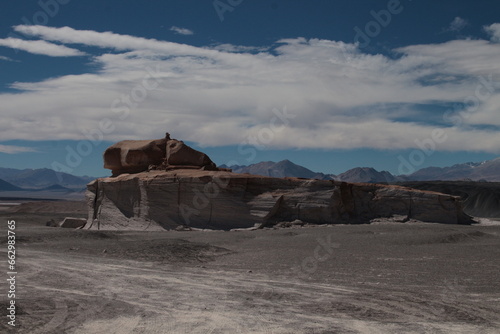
(389, 278)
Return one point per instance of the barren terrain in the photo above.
(379, 278)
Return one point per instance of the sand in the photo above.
(379, 278)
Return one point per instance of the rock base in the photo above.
(159, 200)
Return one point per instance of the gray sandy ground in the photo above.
(382, 278)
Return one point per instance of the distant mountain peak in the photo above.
(366, 175)
(283, 168)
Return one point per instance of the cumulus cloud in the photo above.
(40, 47)
(297, 93)
(11, 149)
(494, 31)
(181, 31)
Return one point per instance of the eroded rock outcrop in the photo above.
(163, 184)
(134, 156)
(224, 200)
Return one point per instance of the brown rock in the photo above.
(134, 156)
(180, 154)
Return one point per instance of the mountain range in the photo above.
(482, 171)
(49, 180)
(40, 179)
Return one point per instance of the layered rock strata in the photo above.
(166, 199)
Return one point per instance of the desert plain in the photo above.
(384, 277)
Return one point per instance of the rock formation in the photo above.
(479, 199)
(134, 156)
(175, 185)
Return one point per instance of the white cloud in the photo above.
(11, 149)
(40, 47)
(6, 58)
(181, 31)
(111, 40)
(339, 96)
(457, 24)
(459, 57)
(494, 31)
(239, 48)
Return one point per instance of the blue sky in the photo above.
(330, 85)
